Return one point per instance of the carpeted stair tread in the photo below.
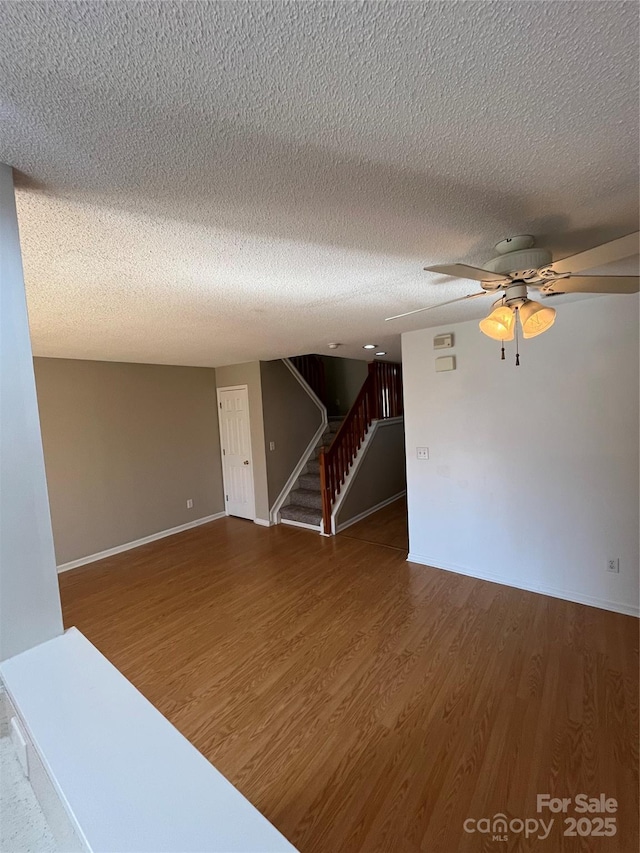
(306, 500)
(325, 441)
(303, 514)
(310, 481)
(307, 497)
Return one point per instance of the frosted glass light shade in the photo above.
(500, 324)
(536, 318)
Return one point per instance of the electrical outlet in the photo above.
(272, 445)
(422, 452)
(613, 565)
(189, 504)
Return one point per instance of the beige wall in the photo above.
(291, 419)
(249, 374)
(382, 473)
(125, 446)
(344, 378)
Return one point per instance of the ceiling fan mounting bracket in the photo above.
(515, 244)
(523, 263)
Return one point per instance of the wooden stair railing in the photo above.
(380, 397)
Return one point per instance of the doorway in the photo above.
(235, 445)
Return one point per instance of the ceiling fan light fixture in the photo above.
(499, 324)
(536, 318)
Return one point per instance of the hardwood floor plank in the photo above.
(388, 526)
(363, 703)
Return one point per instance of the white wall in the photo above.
(29, 598)
(532, 479)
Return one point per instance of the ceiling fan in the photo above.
(520, 267)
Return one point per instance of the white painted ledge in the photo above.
(130, 780)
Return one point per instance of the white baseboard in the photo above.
(264, 522)
(110, 552)
(315, 527)
(541, 589)
(367, 512)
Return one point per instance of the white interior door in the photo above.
(235, 440)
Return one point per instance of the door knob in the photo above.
(246, 462)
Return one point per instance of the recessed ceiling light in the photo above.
(333, 346)
(382, 352)
(369, 346)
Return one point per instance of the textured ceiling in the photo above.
(208, 183)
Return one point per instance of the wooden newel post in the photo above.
(324, 491)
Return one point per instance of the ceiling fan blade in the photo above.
(465, 271)
(615, 250)
(595, 284)
(439, 305)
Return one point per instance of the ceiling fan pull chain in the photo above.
(517, 342)
(502, 356)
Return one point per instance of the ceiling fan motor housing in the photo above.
(525, 262)
(515, 295)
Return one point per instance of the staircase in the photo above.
(305, 501)
(379, 398)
